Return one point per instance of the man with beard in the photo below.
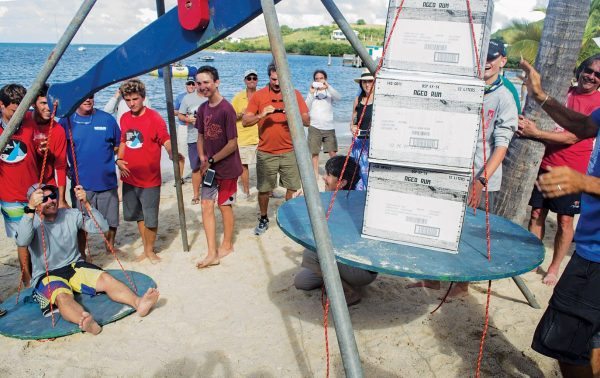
(275, 153)
(50, 144)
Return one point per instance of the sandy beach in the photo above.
(245, 318)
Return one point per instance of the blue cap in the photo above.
(496, 49)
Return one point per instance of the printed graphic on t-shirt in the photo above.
(14, 152)
(211, 130)
(134, 139)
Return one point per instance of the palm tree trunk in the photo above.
(556, 57)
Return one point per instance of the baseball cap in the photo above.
(35, 187)
(495, 49)
(190, 79)
(250, 72)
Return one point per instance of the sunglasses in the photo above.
(590, 71)
(252, 78)
(190, 83)
(52, 195)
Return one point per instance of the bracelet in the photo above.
(117, 160)
(544, 102)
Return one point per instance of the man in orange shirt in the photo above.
(275, 152)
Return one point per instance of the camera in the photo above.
(317, 85)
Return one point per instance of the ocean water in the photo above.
(21, 63)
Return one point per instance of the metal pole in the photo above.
(160, 10)
(343, 325)
(47, 69)
(526, 292)
(350, 36)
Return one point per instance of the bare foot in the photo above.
(550, 279)
(208, 262)
(435, 285)
(459, 290)
(141, 257)
(88, 324)
(222, 252)
(350, 294)
(147, 301)
(153, 257)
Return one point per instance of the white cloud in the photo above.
(113, 21)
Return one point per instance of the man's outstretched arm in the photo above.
(581, 125)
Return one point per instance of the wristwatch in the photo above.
(482, 180)
(28, 210)
(211, 161)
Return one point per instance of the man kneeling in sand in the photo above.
(310, 276)
(57, 252)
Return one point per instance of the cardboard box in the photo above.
(415, 207)
(436, 36)
(426, 120)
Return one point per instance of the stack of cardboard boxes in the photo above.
(426, 118)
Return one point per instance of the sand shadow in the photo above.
(506, 359)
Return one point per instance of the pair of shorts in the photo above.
(318, 138)
(310, 277)
(569, 328)
(222, 191)
(248, 154)
(79, 277)
(565, 205)
(106, 202)
(12, 213)
(269, 165)
(193, 156)
(141, 204)
(491, 201)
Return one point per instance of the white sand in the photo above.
(245, 318)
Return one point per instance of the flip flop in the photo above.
(2, 312)
(195, 201)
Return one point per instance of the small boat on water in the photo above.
(81, 48)
(177, 70)
(207, 58)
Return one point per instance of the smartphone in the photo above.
(209, 177)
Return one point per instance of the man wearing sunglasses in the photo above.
(59, 269)
(247, 135)
(18, 169)
(569, 330)
(187, 114)
(275, 153)
(563, 148)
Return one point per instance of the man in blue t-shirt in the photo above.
(96, 136)
(569, 331)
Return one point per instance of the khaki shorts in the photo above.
(269, 165)
(248, 154)
(318, 138)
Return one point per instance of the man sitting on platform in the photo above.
(310, 277)
(58, 267)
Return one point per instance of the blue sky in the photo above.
(114, 21)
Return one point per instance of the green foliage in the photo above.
(313, 40)
(286, 30)
(360, 21)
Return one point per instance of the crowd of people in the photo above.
(223, 140)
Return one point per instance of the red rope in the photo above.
(485, 328)
(325, 304)
(487, 200)
(91, 215)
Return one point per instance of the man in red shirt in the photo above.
(563, 148)
(275, 152)
(218, 151)
(143, 133)
(18, 169)
(55, 171)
